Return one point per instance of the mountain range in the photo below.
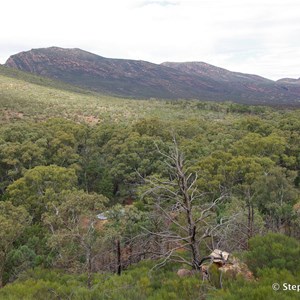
(142, 79)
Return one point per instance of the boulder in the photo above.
(185, 273)
(235, 268)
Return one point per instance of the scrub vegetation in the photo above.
(107, 198)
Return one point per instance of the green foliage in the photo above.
(13, 221)
(274, 251)
(73, 234)
(136, 283)
(276, 196)
(61, 149)
(237, 230)
(39, 186)
(259, 289)
(246, 109)
(254, 144)
(30, 250)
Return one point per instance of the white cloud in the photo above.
(257, 36)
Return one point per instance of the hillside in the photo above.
(289, 80)
(127, 78)
(13, 73)
(141, 79)
(68, 156)
(24, 96)
(216, 73)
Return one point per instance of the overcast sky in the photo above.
(253, 36)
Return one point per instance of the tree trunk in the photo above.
(250, 222)
(195, 251)
(1, 279)
(89, 268)
(130, 255)
(3, 258)
(86, 182)
(188, 209)
(115, 188)
(119, 264)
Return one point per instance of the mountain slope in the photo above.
(290, 84)
(121, 77)
(24, 96)
(289, 80)
(40, 80)
(220, 74)
(141, 79)
(246, 85)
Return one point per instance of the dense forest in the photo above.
(106, 198)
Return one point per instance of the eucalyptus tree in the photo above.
(124, 234)
(75, 230)
(276, 196)
(188, 216)
(39, 186)
(13, 221)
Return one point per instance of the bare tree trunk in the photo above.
(183, 183)
(119, 264)
(250, 223)
(89, 268)
(195, 250)
(250, 207)
(178, 196)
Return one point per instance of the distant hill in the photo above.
(292, 85)
(289, 80)
(28, 97)
(216, 73)
(40, 80)
(141, 79)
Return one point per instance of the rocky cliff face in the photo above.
(141, 79)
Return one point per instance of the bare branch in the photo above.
(172, 219)
(204, 211)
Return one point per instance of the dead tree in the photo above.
(189, 215)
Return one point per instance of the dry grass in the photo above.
(21, 99)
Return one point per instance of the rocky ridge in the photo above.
(141, 79)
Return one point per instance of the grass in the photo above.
(24, 97)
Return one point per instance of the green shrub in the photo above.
(260, 289)
(273, 251)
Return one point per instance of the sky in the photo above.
(259, 36)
